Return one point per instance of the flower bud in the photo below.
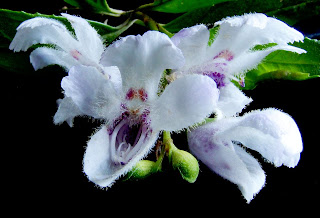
(186, 163)
(142, 169)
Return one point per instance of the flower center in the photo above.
(126, 139)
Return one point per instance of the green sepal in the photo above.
(186, 163)
(141, 170)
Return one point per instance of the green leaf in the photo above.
(97, 6)
(180, 6)
(10, 20)
(295, 13)
(287, 65)
(290, 11)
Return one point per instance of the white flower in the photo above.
(272, 133)
(84, 47)
(231, 53)
(133, 112)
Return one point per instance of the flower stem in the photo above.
(150, 23)
(168, 144)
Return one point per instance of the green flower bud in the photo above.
(142, 169)
(186, 163)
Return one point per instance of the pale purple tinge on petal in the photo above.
(272, 133)
(184, 102)
(227, 160)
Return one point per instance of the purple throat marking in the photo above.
(126, 139)
(217, 77)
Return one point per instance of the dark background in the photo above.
(42, 163)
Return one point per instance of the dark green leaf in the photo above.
(97, 6)
(181, 6)
(290, 11)
(287, 65)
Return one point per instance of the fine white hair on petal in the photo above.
(274, 134)
(227, 159)
(143, 58)
(94, 94)
(98, 164)
(274, 30)
(233, 38)
(184, 102)
(67, 110)
(85, 47)
(41, 30)
(44, 56)
(231, 100)
(88, 37)
(193, 42)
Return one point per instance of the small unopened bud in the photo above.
(142, 169)
(186, 163)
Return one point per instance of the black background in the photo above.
(42, 163)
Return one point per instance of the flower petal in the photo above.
(233, 39)
(88, 37)
(43, 56)
(272, 133)
(143, 58)
(263, 30)
(67, 110)
(97, 161)
(231, 101)
(193, 42)
(185, 102)
(42, 31)
(92, 92)
(227, 159)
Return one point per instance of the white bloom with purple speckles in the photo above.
(231, 53)
(133, 111)
(270, 132)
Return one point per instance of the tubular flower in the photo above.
(270, 132)
(232, 53)
(84, 48)
(134, 114)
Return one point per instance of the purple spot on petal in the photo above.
(217, 77)
(226, 54)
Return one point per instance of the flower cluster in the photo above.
(122, 85)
